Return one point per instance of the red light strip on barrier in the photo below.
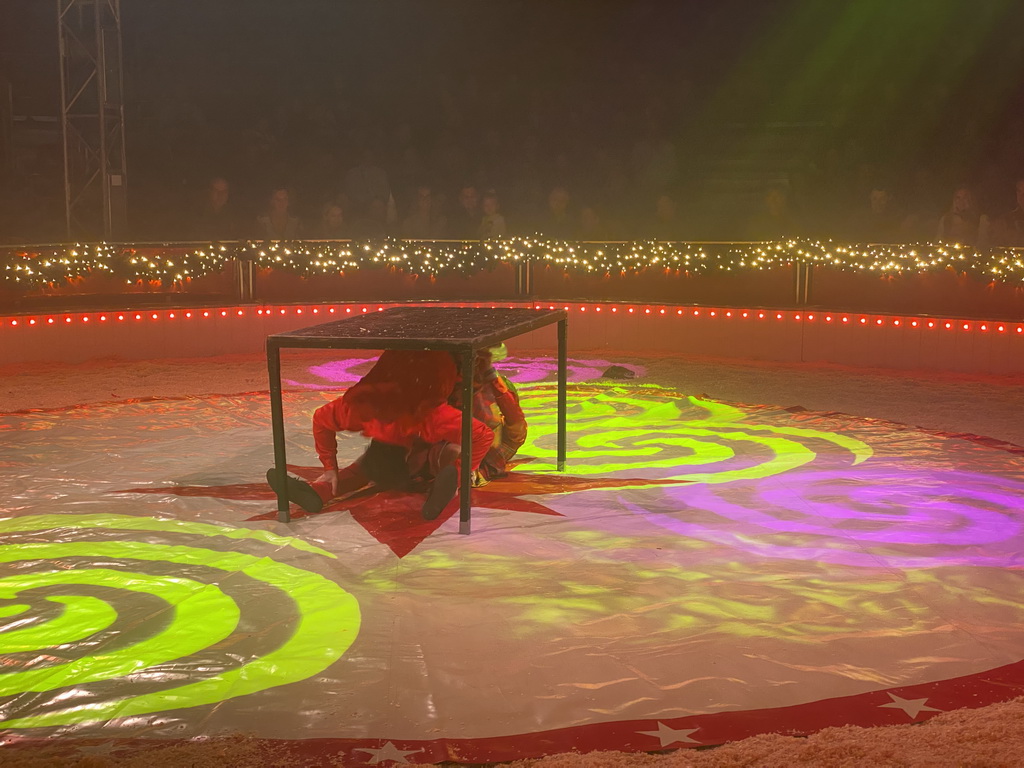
(646, 311)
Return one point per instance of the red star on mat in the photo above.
(393, 517)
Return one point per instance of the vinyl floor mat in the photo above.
(703, 571)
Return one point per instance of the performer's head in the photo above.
(483, 370)
(483, 365)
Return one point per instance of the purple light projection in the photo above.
(871, 516)
(521, 370)
(337, 372)
(526, 370)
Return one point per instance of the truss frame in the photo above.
(92, 117)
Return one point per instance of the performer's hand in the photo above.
(330, 476)
(498, 385)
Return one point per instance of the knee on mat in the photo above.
(442, 455)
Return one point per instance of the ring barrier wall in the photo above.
(938, 307)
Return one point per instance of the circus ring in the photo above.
(705, 571)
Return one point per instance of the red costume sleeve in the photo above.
(327, 421)
(508, 402)
(513, 430)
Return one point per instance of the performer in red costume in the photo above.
(403, 406)
(496, 404)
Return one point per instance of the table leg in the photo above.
(562, 364)
(277, 425)
(468, 358)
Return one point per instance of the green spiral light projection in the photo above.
(200, 616)
(616, 429)
(689, 593)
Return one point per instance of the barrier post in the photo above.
(802, 284)
(244, 280)
(524, 278)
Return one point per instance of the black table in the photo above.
(462, 330)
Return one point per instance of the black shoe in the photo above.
(445, 486)
(299, 491)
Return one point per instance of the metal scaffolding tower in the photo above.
(92, 117)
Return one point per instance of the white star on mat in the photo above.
(388, 752)
(912, 707)
(667, 735)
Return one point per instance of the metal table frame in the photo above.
(314, 337)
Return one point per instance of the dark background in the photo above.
(822, 98)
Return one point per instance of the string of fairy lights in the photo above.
(129, 264)
(26, 268)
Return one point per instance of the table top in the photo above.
(451, 328)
